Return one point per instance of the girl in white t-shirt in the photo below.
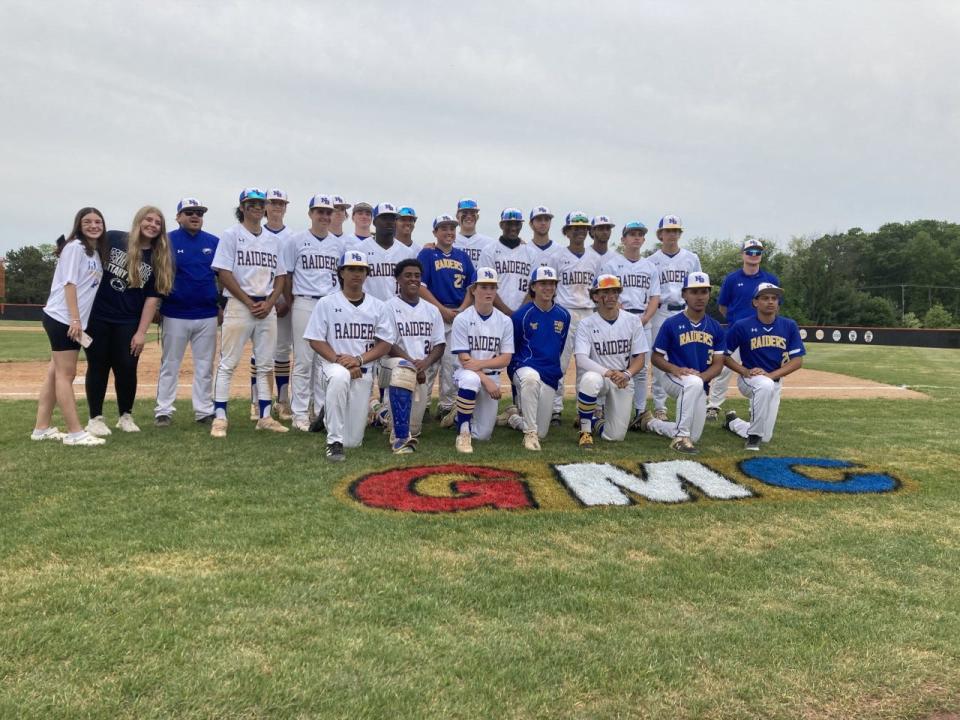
(75, 281)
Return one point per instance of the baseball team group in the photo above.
(354, 329)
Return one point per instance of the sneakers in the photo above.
(635, 422)
(218, 428)
(85, 439)
(660, 414)
(713, 414)
(317, 425)
(684, 445)
(447, 419)
(585, 443)
(335, 452)
(98, 427)
(729, 418)
(403, 447)
(268, 423)
(165, 421)
(126, 423)
(254, 411)
(643, 421)
(205, 420)
(531, 441)
(555, 420)
(50, 433)
(753, 443)
(464, 443)
(283, 411)
(504, 417)
(300, 423)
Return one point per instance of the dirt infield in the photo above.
(20, 380)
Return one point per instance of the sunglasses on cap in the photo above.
(579, 219)
(467, 205)
(511, 217)
(193, 213)
(753, 252)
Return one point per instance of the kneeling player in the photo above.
(610, 348)
(349, 330)
(689, 349)
(770, 349)
(540, 330)
(415, 357)
(482, 343)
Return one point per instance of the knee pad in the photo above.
(468, 380)
(404, 375)
(335, 372)
(590, 383)
(526, 377)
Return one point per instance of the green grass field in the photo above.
(167, 575)
(23, 341)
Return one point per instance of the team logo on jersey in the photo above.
(534, 325)
(207, 251)
(558, 326)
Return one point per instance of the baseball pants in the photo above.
(659, 385)
(720, 384)
(485, 410)
(448, 388)
(764, 395)
(576, 315)
(345, 406)
(175, 335)
(691, 408)
(536, 400)
(239, 325)
(617, 403)
(421, 396)
(306, 363)
(640, 379)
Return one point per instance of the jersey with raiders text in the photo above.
(312, 262)
(447, 275)
(673, 272)
(254, 260)
(473, 245)
(351, 241)
(577, 273)
(481, 337)
(539, 337)
(380, 281)
(690, 344)
(611, 344)
(348, 328)
(765, 346)
(640, 280)
(545, 254)
(513, 266)
(419, 326)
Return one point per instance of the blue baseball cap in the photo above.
(511, 215)
(407, 212)
(634, 225)
(384, 209)
(252, 194)
(467, 204)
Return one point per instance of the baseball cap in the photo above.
(277, 194)
(363, 206)
(443, 220)
(751, 243)
(407, 212)
(354, 258)
(190, 203)
(768, 288)
(601, 221)
(634, 225)
(252, 194)
(511, 215)
(696, 280)
(384, 209)
(321, 201)
(577, 217)
(467, 204)
(339, 202)
(670, 222)
(486, 276)
(606, 282)
(540, 210)
(544, 272)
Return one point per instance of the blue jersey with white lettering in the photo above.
(765, 346)
(447, 275)
(688, 344)
(736, 293)
(538, 338)
(194, 295)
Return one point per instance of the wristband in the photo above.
(628, 373)
(360, 360)
(74, 322)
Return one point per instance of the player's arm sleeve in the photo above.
(638, 341)
(581, 341)
(663, 342)
(470, 270)
(794, 342)
(458, 336)
(223, 259)
(289, 253)
(386, 328)
(486, 258)
(724, 297)
(586, 364)
(437, 335)
(507, 345)
(566, 327)
(424, 257)
(317, 325)
(696, 261)
(72, 262)
(733, 337)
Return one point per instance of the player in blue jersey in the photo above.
(540, 329)
(447, 274)
(770, 349)
(689, 349)
(736, 303)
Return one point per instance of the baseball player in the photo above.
(383, 253)
(770, 349)
(577, 270)
(736, 303)
(340, 207)
(362, 217)
(640, 296)
(673, 263)
(544, 249)
(610, 348)
(689, 350)
(406, 221)
(414, 358)
(312, 258)
(540, 329)
(190, 315)
(447, 273)
(468, 239)
(252, 272)
(513, 261)
(349, 330)
(482, 343)
(601, 227)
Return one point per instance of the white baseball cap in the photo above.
(544, 272)
(751, 243)
(696, 280)
(189, 203)
(768, 288)
(384, 209)
(277, 194)
(321, 201)
(354, 258)
(486, 276)
(577, 217)
(670, 222)
(540, 211)
(339, 202)
(601, 221)
(444, 220)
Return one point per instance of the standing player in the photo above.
(468, 239)
(539, 331)
(673, 263)
(349, 330)
(252, 273)
(362, 217)
(770, 348)
(512, 260)
(340, 207)
(383, 253)
(577, 270)
(544, 249)
(447, 273)
(482, 343)
(689, 350)
(189, 315)
(406, 221)
(611, 348)
(601, 227)
(312, 258)
(414, 358)
(641, 296)
(736, 297)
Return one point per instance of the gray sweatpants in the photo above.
(175, 335)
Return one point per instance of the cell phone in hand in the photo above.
(85, 340)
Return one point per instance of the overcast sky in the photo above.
(766, 118)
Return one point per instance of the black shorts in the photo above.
(57, 332)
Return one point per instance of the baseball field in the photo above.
(168, 575)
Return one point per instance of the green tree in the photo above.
(29, 273)
(937, 317)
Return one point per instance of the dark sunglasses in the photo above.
(193, 213)
(753, 252)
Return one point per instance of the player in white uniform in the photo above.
(340, 207)
(406, 222)
(610, 347)
(601, 227)
(482, 343)
(349, 330)
(577, 270)
(640, 296)
(414, 358)
(251, 271)
(674, 263)
(312, 258)
(383, 253)
(770, 349)
(513, 261)
(544, 249)
(362, 217)
(468, 239)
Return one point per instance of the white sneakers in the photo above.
(50, 433)
(531, 441)
(218, 428)
(127, 424)
(98, 427)
(268, 423)
(84, 439)
(301, 423)
(464, 443)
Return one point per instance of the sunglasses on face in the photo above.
(193, 213)
(753, 252)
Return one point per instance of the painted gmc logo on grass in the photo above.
(458, 487)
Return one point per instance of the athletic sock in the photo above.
(253, 379)
(220, 410)
(466, 402)
(265, 408)
(586, 406)
(401, 402)
(281, 374)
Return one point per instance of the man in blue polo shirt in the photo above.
(189, 315)
(736, 303)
